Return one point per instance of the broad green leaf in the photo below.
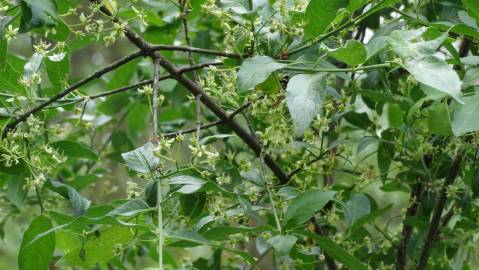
(73, 149)
(356, 4)
(37, 255)
(79, 203)
(353, 53)
(438, 119)
(320, 14)
(336, 252)
(142, 159)
(243, 254)
(395, 116)
(304, 98)
(16, 192)
(282, 244)
(37, 13)
(3, 53)
(138, 118)
(357, 207)
(471, 78)
(473, 7)
(305, 205)
(192, 205)
(256, 70)
(360, 120)
(185, 236)
(402, 43)
(98, 249)
(465, 116)
(369, 218)
(189, 184)
(130, 208)
(58, 68)
(32, 66)
(437, 74)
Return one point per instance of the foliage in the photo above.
(239, 134)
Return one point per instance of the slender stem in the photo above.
(97, 74)
(160, 224)
(195, 50)
(275, 213)
(156, 78)
(185, 12)
(383, 65)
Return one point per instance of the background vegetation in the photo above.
(239, 134)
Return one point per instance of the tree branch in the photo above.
(436, 218)
(97, 74)
(190, 49)
(208, 102)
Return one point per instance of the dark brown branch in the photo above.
(208, 102)
(407, 230)
(436, 218)
(146, 82)
(194, 50)
(415, 199)
(97, 74)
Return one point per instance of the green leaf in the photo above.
(37, 13)
(360, 120)
(320, 14)
(471, 78)
(402, 43)
(473, 7)
(79, 203)
(438, 119)
(357, 207)
(99, 249)
(395, 116)
(465, 116)
(3, 53)
(192, 205)
(37, 255)
(189, 184)
(282, 244)
(137, 118)
(304, 98)
(369, 218)
(305, 205)
(73, 149)
(58, 68)
(353, 53)
(256, 70)
(142, 159)
(336, 252)
(186, 236)
(16, 192)
(437, 74)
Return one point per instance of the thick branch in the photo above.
(208, 102)
(194, 50)
(12, 125)
(436, 218)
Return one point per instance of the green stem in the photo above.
(383, 65)
(275, 213)
(160, 224)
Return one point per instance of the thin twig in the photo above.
(95, 75)
(185, 12)
(195, 50)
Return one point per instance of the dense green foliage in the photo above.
(239, 134)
